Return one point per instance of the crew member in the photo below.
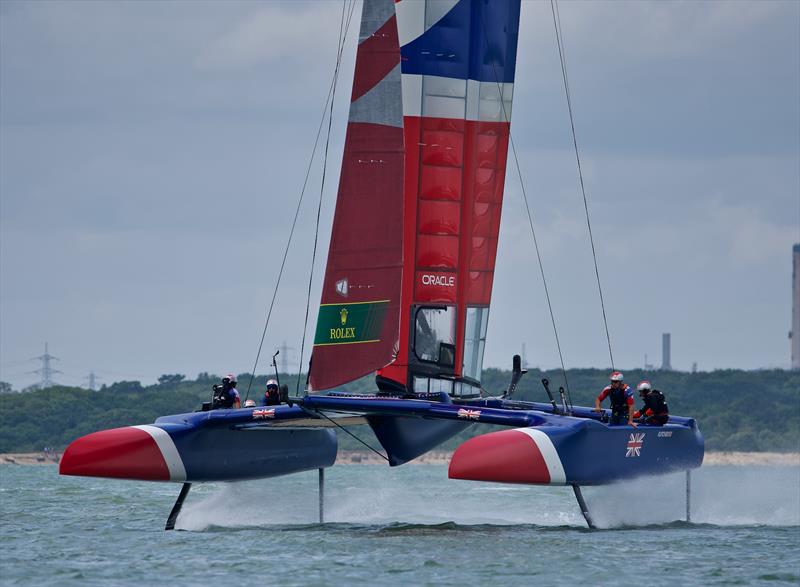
(272, 396)
(655, 411)
(621, 396)
(226, 396)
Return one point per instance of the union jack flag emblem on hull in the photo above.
(469, 414)
(635, 444)
(263, 414)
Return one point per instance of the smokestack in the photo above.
(666, 364)
(795, 333)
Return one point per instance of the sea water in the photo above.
(409, 525)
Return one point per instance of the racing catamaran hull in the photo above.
(577, 452)
(204, 446)
(539, 447)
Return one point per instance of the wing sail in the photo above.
(358, 323)
(411, 262)
(458, 61)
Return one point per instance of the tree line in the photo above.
(736, 410)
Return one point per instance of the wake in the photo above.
(421, 498)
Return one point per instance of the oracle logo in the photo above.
(439, 280)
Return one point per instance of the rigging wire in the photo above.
(541, 268)
(530, 222)
(329, 98)
(343, 27)
(568, 94)
(364, 442)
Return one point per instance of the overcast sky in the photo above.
(151, 155)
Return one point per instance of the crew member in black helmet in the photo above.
(226, 396)
(621, 396)
(655, 411)
(272, 396)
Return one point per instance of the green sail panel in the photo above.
(350, 323)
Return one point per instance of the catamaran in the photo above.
(406, 293)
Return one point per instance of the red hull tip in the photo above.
(508, 456)
(121, 453)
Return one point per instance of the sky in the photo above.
(152, 155)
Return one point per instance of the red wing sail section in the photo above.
(358, 324)
(458, 60)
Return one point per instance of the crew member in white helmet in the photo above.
(272, 395)
(655, 411)
(621, 396)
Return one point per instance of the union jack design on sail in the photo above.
(635, 444)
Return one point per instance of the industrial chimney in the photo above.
(795, 332)
(666, 364)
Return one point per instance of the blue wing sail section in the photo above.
(480, 40)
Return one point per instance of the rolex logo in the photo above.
(343, 333)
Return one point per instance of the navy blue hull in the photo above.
(537, 446)
(218, 445)
(599, 454)
(214, 454)
(226, 445)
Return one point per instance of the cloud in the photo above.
(746, 237)
(643, 30)
(152, 154)
(299, 35)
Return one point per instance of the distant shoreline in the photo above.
(442, 457)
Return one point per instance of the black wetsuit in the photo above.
(272, 397)
(655, 410)
(224, 397)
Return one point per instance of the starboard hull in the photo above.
(578, 452)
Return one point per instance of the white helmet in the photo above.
(249, 403)
(230, 377)
(644, 386)
(272, 383)
(616, 376)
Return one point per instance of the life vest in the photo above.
(619, 398)
(272, 397)
(222, 398)
(655, 401)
